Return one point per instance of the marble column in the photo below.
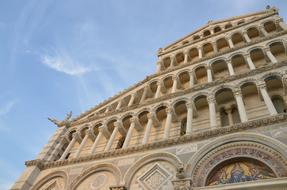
(96, 142)
(172, 61)
(268, 102)
(174, 84)
(191, 79)
(229, 114)
(263, 31)
(112, 138)
(249, 62)
(168, 122)
(230, 43)
(240, 105)
(230, 68)
(144, 94)
(129, 133)
(199, 52)
(88, 134)
(158, 66)
(157, 93)
(57, 148)
(212, 111)
(189, 118)
(148, 128)
(131, 100)
(185, 57)
(209, 73)
(214, 46)
(75, 138)
(246, 37)
(270, 55)
(119, 105)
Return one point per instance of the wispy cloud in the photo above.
(65, 64)
(7, 107)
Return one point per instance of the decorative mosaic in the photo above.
(240, 171)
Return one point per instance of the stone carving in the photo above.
(118, 188)
(98, 182)
(66, 122)
(182, 184)
(154, 178)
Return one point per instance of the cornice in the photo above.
(195, 88)
(150, 77)
(196, 136)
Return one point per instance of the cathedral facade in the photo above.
(212, 117)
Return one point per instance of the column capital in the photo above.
(211, 99)
(185, 51)
(77, 137)
(267, 49)
(182, 184)
(104, 130)
(208, 66)
(246, 55)
(237, 92)
(189, 105)
(91, 134)
(169, 110)
(150, 115)
(261, 84)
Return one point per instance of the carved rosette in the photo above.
(182, 184)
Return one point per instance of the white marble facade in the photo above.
(217, 101)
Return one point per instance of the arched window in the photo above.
(279, 104)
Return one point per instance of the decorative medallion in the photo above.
(98, 182)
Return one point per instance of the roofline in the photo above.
(267, 11)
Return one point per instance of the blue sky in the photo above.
(57, 56)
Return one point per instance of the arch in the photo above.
(217, 29)
(224, 86)
(161, 156)
(219, 68)
(206, 33)
(142, 110)
(166, 62)
(207, 49)
(179, 57)
(239, 64)
(222, 44)
(200, 73)
(228, 25)
(271, 74)
(258, 57)
(162, 104)
(97, 168)
(179, 100)
(193, 54)
(278, 148)
(278, 49)
(196, 37)
(237, 39)
(253, 32)
(49, 177)
(194, 97)
(126, 115)
(269, 26)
